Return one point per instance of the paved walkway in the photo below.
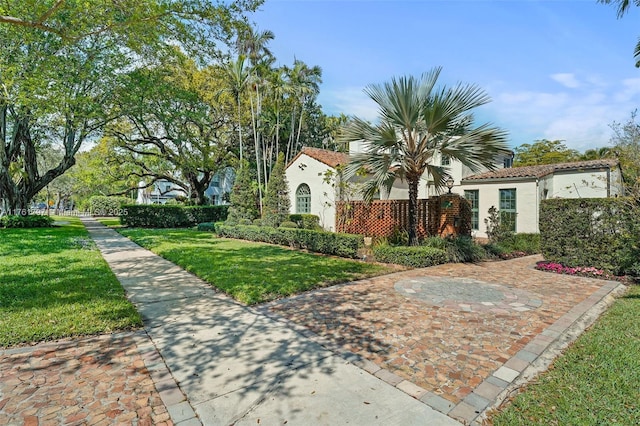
(416, 347)
(231, 365)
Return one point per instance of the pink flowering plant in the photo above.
(583, 271)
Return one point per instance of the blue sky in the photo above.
(555, 69)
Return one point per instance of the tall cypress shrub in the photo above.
(243, 196)
(277, 204)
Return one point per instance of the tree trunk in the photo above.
(20, 149)
(240, 129)
(413, 209)
(254, 122)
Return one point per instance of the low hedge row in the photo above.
(305, 221)
(159, 216)
(31, 221)
(344, 245)
(413, 256)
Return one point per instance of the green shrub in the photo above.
(399, 237)
(288, 224)
(459, 249)
(414, 256)
(519, 243)
(258, 222)
(31, 221)
(244, 195)
(599, 232)
(344, 245)
(107, 206)
(528, 243)
(245, 222)
(158, 216)
(495, 250)
(277, 203)
(206, 226)
(306, 221)
(497, 231)
(464, 249)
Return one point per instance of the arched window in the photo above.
(303, 199)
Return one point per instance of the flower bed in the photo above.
(583, 271)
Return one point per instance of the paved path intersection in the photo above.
(395, 350)
(231, 365)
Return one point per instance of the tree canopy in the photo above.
(544, 151)
(63, 61)
(626, 148)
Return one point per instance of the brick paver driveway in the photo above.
(99, 380)
(449, 329)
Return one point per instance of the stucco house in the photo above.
(518, 191)
(515, 191)
(311, 189)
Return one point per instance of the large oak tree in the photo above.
(63, 60)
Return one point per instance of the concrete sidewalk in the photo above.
(228, 364)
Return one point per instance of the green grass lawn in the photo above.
(597, 380)
(250, 272)
(112, 222)
(54, 283)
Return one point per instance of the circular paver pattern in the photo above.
(467, 294)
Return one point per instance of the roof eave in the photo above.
(499, 179)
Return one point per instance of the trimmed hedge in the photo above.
(206, 226)
(158, 216)
(600, 232)
(344, 245)
(414, 256)
(306, 221)
(107, 206)
(31, 221)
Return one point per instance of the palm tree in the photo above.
(237, 78)
(253, 44)
(418, 122)
(304, 82)
(623, 7)
(598, 153)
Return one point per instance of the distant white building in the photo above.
(515, 191)
(159, 192)
(162, 190)
(220, 186)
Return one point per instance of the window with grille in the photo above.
(303, 199)
(508, 208)
(473, 196)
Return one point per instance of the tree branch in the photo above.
(19, 22)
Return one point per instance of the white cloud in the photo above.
(566, 79)
(630, 89)
(580, 117)
(350, 101)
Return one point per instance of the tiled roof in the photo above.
(543, 170)
(330, 158)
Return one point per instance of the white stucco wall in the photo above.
(527, 203)
(311, 171)
(587, 184)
